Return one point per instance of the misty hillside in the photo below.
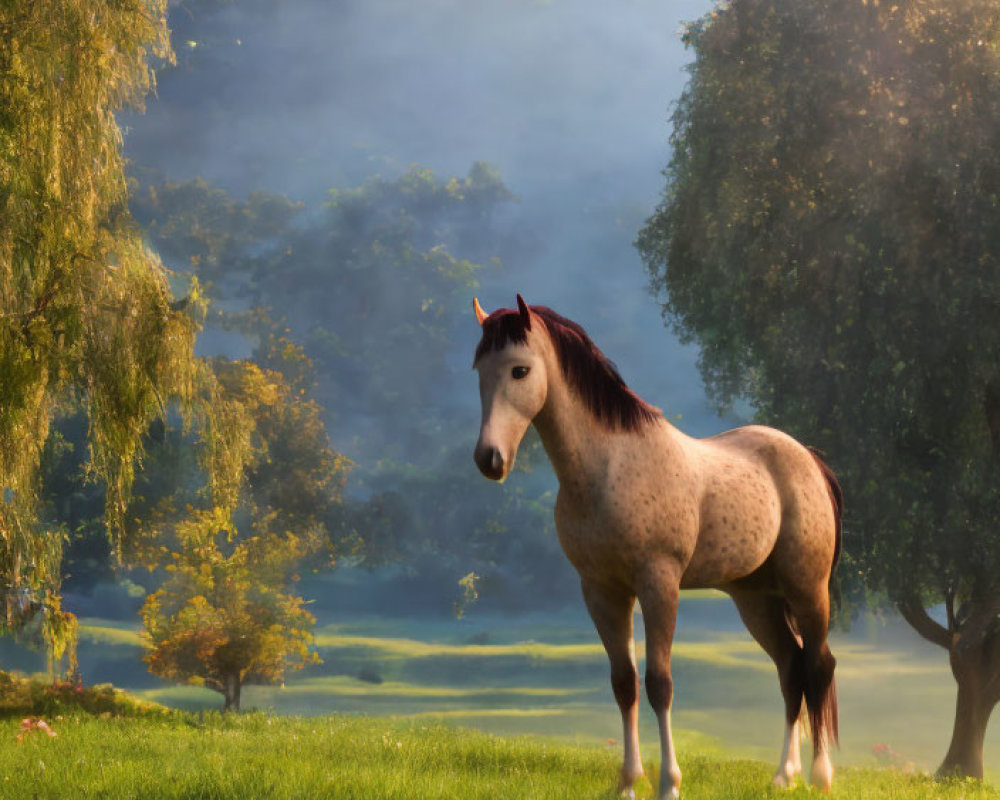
(302, 97)
(289, 138)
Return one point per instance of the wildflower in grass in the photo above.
(30, 724)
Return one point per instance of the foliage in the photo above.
(224, 617)
(371, 289)
(446, 521)
(469, 593)
(69, 499)
(85, 309)
(359, 285)
(827, 236)
(293, 475)
(222, 621)
(21, 697)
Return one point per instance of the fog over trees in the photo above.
(363, 229)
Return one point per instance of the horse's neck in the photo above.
(578, 445)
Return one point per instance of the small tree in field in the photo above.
(222, 619)
(225, 616)
(829, 237)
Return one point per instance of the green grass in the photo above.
(343, 756)
(107, 632)
(546, 676)
(536, 690)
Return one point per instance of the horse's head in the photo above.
(512, 384)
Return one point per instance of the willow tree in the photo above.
(829, 237)
(86, 312)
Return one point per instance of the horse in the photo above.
(644, 511)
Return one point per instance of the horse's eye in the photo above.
(519, 372)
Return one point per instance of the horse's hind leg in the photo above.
(812, 615)
(611, 611)
(764, 616)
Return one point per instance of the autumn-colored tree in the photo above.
(225, 616)
(222, 619)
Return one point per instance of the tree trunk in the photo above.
(232, 692)
(973, 646)
(975, 663)
(972, 713)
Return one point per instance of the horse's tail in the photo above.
(820, 686)
(820, 695)
(836, 500)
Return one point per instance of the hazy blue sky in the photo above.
(570, 99)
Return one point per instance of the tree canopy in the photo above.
(85, 309)
(225, 615)
(828, 236)
(362, 284)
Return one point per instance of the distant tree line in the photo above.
(369, 291)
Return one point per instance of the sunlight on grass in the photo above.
(411, 648)
(345, 686)
(101, 631)
(730, 651)
(703, 594)
(499, 675)
(856, 661)
(227, 757)
(491, 712)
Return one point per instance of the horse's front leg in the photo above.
(611, 610)
(658, 597)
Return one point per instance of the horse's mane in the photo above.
(590, 373)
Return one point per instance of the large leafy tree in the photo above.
(85, 309)
(829, 237)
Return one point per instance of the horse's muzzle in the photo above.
(490, 462)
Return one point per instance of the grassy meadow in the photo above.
(404, 708)
(257, 755)
(547, 676)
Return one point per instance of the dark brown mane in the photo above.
(591, 374)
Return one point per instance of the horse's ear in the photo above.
(480, 314)
(525, 314)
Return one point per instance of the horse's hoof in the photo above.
(822, 776)
(671, 790)
(626, 780)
